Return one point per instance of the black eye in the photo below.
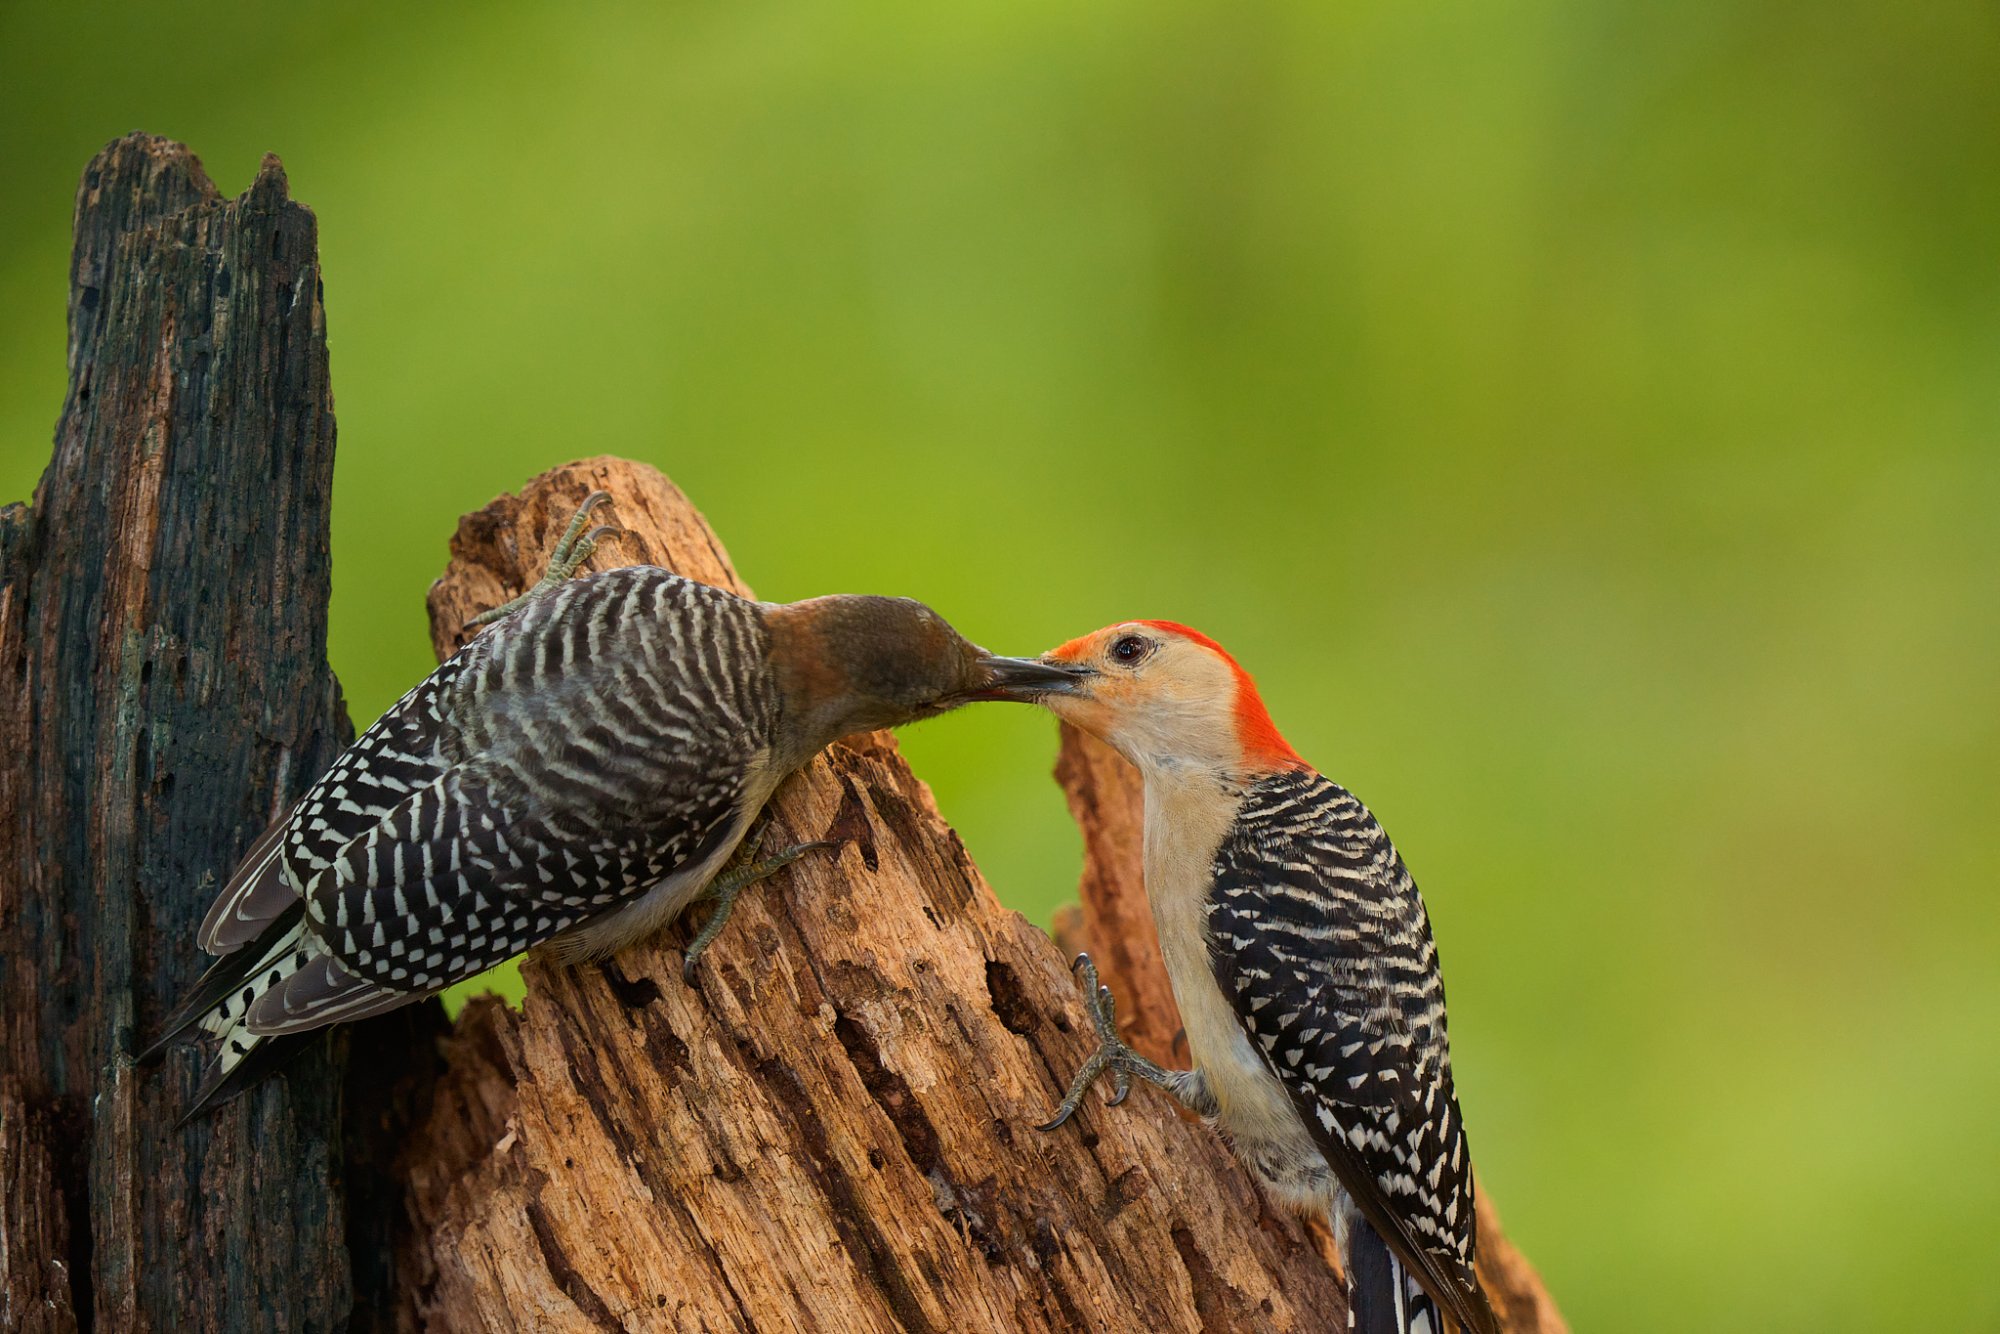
(1130, 649)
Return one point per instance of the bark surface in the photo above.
(34, 1233)
(834, 1129)
(165, 694)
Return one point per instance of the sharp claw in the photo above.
(691, 964)
(1111, 1054)
(593, 500)
(602, 531)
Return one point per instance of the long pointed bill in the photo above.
(1026, 679)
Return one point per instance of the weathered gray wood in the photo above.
(164, 693)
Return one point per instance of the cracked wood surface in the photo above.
(833, 1130)
(1115, 924)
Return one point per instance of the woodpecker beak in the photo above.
(1026, 679)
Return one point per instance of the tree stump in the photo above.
(834, 1129)
(167, 694)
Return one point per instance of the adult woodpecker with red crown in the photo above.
(1301, 958)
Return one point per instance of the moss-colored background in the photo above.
(1585, 419)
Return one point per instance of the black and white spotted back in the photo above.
(1321, 942)
(585, 747)
(579, 752)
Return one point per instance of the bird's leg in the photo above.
(742, 872)
(571, 551)
(1187, 1086)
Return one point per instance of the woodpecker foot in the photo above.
(1111, 1055)
(571, 551)
(726, 888)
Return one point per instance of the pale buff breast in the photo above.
(1187, 816)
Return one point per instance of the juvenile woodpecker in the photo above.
(1301, 959)
(574, 777)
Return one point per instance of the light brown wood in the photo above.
(1115, 925)
(833, 1131)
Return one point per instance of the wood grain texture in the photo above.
(165, 693)
(832, 1131)
(34, 1226)
(1115, 924)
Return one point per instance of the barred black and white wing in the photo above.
(1321, 942)
(257, 922)
(589, 747)
(399, 754)
(605, 741)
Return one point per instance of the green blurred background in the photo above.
(1584, 419)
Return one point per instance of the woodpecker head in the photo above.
(1165, 697)
(850, 663)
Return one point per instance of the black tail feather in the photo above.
(1382, 1296)
(223, 976)
(1373, 1282)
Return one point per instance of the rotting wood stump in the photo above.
(833, 1131)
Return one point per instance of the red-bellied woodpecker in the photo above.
(575, 776)
(1301, 959)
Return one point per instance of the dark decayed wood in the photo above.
(166, 693)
